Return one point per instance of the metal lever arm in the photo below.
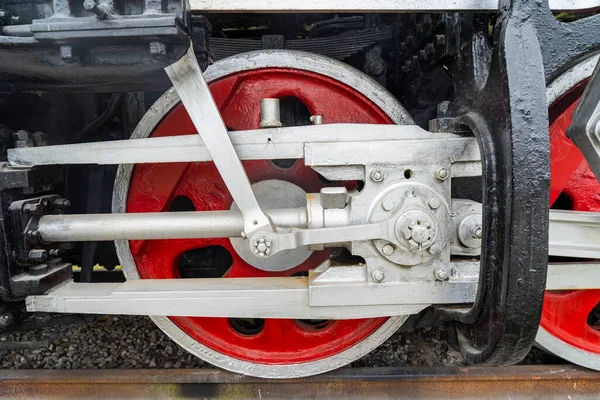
(195, 95)
(305, 237)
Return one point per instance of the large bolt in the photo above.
(377, 67)
(22, 139)
(442, 174)
(67, 54)
(416, 229)
(40, 139)
(90, 5)
(377, 176)
(316, 119)
(37, 255)
(61, 204)
(435, 249)
(388, 249)
(32, 209)
(158, 48)
(420, 233)
(470, 231)
(54, 252)
(441, 274)
(378, 275)
(434, 203)
(388, 204)
(262, 247)
(34, 234)
(101, 11)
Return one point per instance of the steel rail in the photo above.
(337, 6)
(523, 382)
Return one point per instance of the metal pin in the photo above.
(270, 113)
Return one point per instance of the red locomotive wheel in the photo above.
(568, 326)
(271, 347)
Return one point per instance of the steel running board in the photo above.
(295, 297)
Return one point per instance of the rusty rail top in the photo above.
(523, 382)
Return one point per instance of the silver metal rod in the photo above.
(289, 297)
(316, 144)
(572, 233)
(148, 226)
(17, 30)
(258, 144)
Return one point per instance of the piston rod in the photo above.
(572, 233)
(148, 226)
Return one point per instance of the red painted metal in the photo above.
(153, 188)
(565, 314)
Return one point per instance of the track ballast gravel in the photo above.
(135, 342)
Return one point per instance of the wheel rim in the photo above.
(564, 328)
(280, 348)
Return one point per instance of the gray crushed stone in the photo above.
(135, 342)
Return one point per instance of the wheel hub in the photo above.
(273, 194)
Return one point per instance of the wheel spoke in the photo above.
(565, 156)
(566, 315)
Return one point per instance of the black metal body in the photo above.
(71, 49)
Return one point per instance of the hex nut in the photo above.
(377, 176)
(442, 174)
(378, 275)
(441, 274)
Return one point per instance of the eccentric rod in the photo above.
(162, 225)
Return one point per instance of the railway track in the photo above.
(523, 382)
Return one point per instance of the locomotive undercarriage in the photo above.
(326, 202)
